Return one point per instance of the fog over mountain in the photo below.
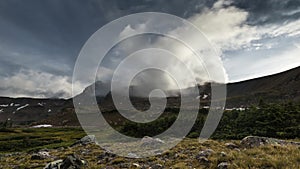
(41, 40)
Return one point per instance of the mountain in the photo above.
(274, 88)
(280, 87)
(24, 111)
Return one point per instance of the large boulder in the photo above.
(255, 141)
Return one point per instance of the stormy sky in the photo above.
(40, 39)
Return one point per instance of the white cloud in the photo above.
(225, 26)
(29, 83)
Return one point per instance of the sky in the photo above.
(40, 40)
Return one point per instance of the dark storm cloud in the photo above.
(56, 30)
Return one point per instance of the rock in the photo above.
(223, 154)
(54, 165)
(237, 149)
(132, 155)
(156, 166)
(136, 165)
(223, 165)
(205, 153)
(231, 145)
(255, 141)
(203, 160)
(89, 139)
(149, 141)
(71, 162)
(40, 155)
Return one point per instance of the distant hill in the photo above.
(274, 88)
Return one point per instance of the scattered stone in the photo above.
(205, 153)
(89, 139)
(149, 141)
(231, 145)
(71, 162)
(255, 141)
(40, 155)
(223, 165)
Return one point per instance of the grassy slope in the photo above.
(181, 156)
(28, 139)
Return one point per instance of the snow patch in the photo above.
(41, 104)
(1, 111)
(49, 110)
(4, 105)
(42, 126)
(22, 107)
(204, 96)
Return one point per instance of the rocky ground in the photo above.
(251, 152)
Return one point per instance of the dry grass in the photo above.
(181, 156)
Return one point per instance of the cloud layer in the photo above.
(40, 41)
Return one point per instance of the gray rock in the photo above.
(149, 141)
(132, 155)
(54, 165)
(231, 145)
(255, 141)
(89, 139)
(40, 155)
(72, 162)
(223, 165)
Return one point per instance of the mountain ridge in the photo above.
(281, 87)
